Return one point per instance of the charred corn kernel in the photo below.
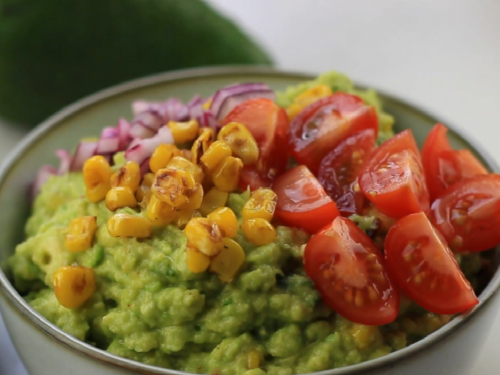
(184, 131)
(160, 213)
(258, 231)
(96, 175)
(194, 198)
(241, 142)
(217, 152)
(201, 144)
(73, 285)
(253, 360)
(119, 197)
(161, 156)
(262, 204)
(204, 235)
(128, 175)
(183, 217)
(213, 199)
(228, 262)
(173, 186)
(184, 164)
(81, 233)
(196, 262)
(126, 225)
(227, 174)
(307, 97)
(226, 220)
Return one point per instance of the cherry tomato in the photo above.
(251, 178)
(393, 178)
(420, 261)
(339, 170)
(322, 125)
(349, 272)
(468, 213)
(302, 201)
(443, 165)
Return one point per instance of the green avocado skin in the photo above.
(53, 52)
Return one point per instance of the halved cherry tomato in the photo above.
(322, 125)
(269, 125)
(393, 179)
(302, 202)
(468, 213)
(349, 272)
(339, 170)
(420, 261)
(443, 165)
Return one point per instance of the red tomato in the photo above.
(269, 125)
(393, 179)
(302, 202)
(349, 272)
(339, 170)
(251, 178)
(443, 165)
(424, 267)
(468, 213)
(322, 125)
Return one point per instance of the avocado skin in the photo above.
(53, 52)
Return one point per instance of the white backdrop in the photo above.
(441, 55)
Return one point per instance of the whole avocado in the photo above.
(53, 52)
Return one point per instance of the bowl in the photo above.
(47, 350)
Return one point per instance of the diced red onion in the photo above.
(144, 167)
(123, 133)
(210, 120)
(144, 148)
(232, 101)
(84, 150)
(42, 177)
(140, 106)
(109, 132)
(140, 131)
(65, 161)
(174, 110)
(107, 146)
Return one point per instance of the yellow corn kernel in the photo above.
(196, 262)
(119, 197)
(241, 142)
(96, 175)
(227, 174)
(173, 186)
(184, 131)
(195, 198)
(160, 213)
(217, 152)
(204, 235)
(126, 225)
(81, 233)
(226, 220)
(213, 199)
(253, 360)
(307, 97)
(183, 217)
(161, 156)
(228, 262)
(148, 179)
(184, 164)
(185, 153)
(258, 231)
(144, 191)
(128, 175)
(201, 144)
(73, 285)
(262, 204)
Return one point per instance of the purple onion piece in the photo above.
(64, 161)
(144, 148)
(144, 167)
(228, 91)
(232, 101)
(42, 177)
(84, 150)
(140, 131)
(108, 146)
(123, 133)
(109, 132)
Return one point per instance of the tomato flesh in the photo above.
(468, 214)
(322, 125)
(420, 261)
(349, 272)
(339, 170)
(393, 178)
(302, 201)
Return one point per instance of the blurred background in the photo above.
(442, 56)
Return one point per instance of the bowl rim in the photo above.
(44, 129)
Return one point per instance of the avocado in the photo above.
(53, 52)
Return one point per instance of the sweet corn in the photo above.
(128, 175)
(96, 175)
(262, 204)
(173, 186)
(183, 217)
(160, 213)
(217, 152)
(229, 261)
(184, 131)
(73, 285)
(253, 360)
(201, 144)
(184, 164)
(307, 97)
(213, 199)
(258, 231)
(185, 153)
(196, 262)
(204, 235)
(227, 174)
(119, 197)
(241, 142)
(144, 191)
(226, 220)
(126, 225)
(81, 233)
(194, 198)
(161, 156)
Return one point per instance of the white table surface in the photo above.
(443, 56)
